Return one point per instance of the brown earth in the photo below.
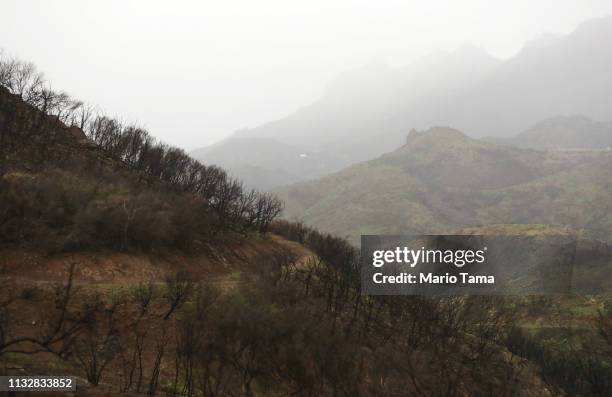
(110, 267)
(107, 273)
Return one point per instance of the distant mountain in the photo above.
(367, 112)
(442, 180)
(564, 132)
(553, 76)
(350, 123)
(362, 104)
(266, 162)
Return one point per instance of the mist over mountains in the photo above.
(369, 111)
(441, 181)
(563, 132)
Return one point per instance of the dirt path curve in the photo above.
(113, 269)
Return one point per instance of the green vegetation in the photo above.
(442, 181)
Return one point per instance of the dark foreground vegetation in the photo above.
(71, 180)
(123, 187)
(286, 331)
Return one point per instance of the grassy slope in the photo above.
(442, 180)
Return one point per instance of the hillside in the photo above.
(564, 132)
(441, 180)
(368, 112)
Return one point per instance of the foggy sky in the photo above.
(193, 72)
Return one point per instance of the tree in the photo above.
(58, 335)
(98, 344)
(179, 288)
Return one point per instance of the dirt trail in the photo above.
(111, 269)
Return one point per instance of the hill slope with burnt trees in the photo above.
(71, 177)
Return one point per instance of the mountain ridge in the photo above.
(434, 184)
(576, 132)
(368, 112)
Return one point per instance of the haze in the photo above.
(193, 72)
